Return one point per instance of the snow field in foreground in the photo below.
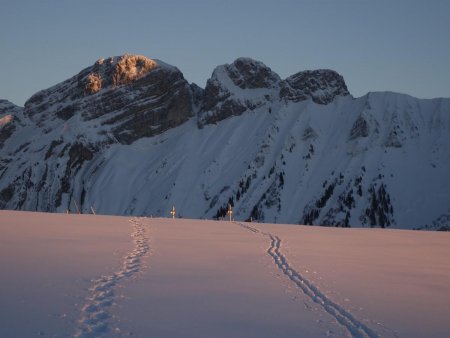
(101, 276)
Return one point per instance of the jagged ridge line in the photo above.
(345, 318)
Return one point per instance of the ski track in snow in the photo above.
(94, 313)
(343, 317)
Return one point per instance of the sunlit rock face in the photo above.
(10, 116)
(117, 71)
(132, 94)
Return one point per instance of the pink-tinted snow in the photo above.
(214, 279)
(97, 276)
(47, 262)
(397, 279)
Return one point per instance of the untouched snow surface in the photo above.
(102, 276)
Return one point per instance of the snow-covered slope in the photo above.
(103, 276)
(300, 150)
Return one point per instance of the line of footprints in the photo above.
(94, 313)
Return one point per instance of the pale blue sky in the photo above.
(395, 45)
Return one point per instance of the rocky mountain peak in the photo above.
(116, 71)
(321, 85)
(105, 74)
(127, 97)
(247, 73)
(245, 84)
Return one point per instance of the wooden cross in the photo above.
(230, 211)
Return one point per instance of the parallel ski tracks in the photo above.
(355, 327)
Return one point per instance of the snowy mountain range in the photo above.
(130, 136)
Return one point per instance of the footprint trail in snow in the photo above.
(94, 313)
(355, 327)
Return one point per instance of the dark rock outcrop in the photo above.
(247, 73)
(359, 129)
(248, 84)
(322, 86)
(136, 96)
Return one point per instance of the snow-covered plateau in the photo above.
(66, 275)
(130, 136)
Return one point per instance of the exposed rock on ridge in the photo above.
(247, 84)
(9, 120)
(137, 96)
(322, 86)
(118, 71)
(247, 73)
